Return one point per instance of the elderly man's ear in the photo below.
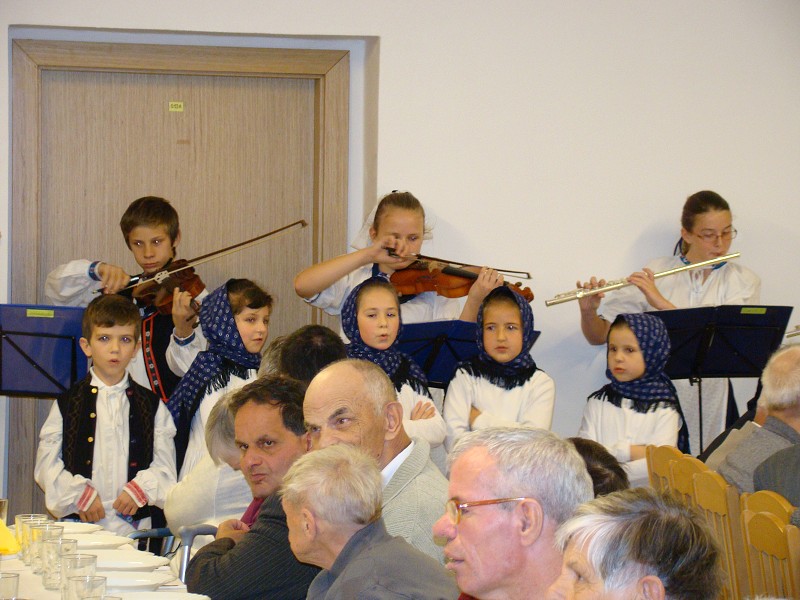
(393, 413)
(650, 587)
(531, 521)
(309, 524)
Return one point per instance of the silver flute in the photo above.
(579, 293)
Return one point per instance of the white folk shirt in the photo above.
(530, 404)
(617, 428)
(63, 490)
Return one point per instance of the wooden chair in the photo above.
(773, 549)
(682, 473)
(718, 501)
(658, 459)
(768, 501)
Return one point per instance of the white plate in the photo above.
(97, 541)
(132, 580)
(73, 527)
(127, 560)
(163, 596)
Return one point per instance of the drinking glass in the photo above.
(73, 565)
(52, 551)
(9, 585)
(40, 533)
(25, 534)
(83, 586)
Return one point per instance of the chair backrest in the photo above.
(658, 459)
(682, 473)
(774, 552)
(187, 533)
(718, 501)
(768, 501)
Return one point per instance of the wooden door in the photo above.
(241, 141)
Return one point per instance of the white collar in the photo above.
(390, 469)
(111, 389)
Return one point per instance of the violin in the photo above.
(159, 293)
(157, 289)
(445, 280)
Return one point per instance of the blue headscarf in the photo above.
(521, 368)
(654, 389)
(211, 369)
(400, 367)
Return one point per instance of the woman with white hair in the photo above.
(635, 544)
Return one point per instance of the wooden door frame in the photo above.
(330, 71)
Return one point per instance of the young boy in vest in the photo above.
(152, 233)
(106, 452)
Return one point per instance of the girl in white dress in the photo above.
(501, 386)
(371, 321)
(640, 405)
(235, 319)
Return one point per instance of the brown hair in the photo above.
(376, 283)
(243, 293)
(109, 311)
(404, 200)
(150, 211)
(696, 205)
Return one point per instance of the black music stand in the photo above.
(439, 346)
(40, 355)
(722, 341)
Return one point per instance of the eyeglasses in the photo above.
(453, 509)
(711, 236)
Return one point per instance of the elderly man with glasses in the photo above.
(510, 489)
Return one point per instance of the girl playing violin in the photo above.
(371, 321)
(501, 386)
(396, 234)
(706, 233)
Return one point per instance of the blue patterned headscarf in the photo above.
(521, 368)
(654, 388)
(654, 342)
(211, 369)
(392, 361)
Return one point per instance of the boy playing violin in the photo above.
(152, 233)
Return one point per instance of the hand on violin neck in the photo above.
(112, 277)
(487, 280)
(184, 313)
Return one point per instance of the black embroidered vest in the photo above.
(78, 408)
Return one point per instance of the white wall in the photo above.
(558, 137)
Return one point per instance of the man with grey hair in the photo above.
(781, 398)
(510, 488)
(332, 499)
(637, 544)
(354, 402)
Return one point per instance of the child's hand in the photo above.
(645, 280)
(380, 248)
(233, 529)
(183, 315)
(474, 413)
(112, 277)
(423, 410)
(124, 504)
(94, 513)
(591, 303)
(487, 280)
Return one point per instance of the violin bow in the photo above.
(511, 272)
(164, 273)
